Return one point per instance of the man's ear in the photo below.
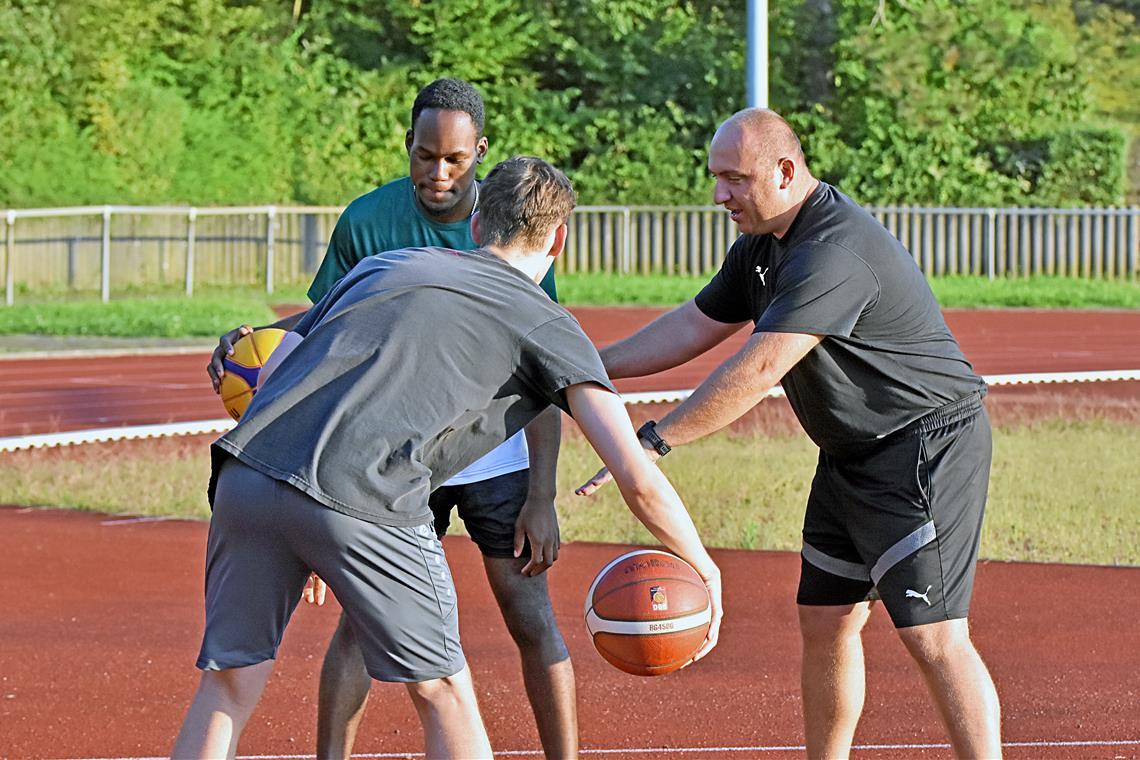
(481, 150)
(787, 172)
(476, 230)
(558, 245)
(409, 138)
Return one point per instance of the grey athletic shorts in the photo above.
(393, 583)
(489, 509)
(903, 520)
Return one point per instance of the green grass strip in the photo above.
(160, 317)
(212, 311)
(1061, 491)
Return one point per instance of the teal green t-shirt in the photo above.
(388, 219)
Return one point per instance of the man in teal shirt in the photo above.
(508, 511)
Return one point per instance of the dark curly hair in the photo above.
(451, 95)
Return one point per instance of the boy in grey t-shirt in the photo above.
(398, 378)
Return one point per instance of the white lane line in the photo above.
(1064, 377)
(663, 751)
(143, 519)
(115, 434)
(104, 353)
(16, 443)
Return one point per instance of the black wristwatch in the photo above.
(648, 433)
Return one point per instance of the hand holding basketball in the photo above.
(243, 368)
(650, 613)
(216, 368)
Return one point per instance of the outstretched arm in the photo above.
(736, 386)
(605, 422)
(731, 390)
(672, 339)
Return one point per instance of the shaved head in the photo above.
(760, 171)
(766, 133)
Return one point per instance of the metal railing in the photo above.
(106, 248)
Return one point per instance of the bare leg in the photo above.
(547, 672)
(450, 717)
(832, 676)
(343, 694)
(960, 685)
(221, 707)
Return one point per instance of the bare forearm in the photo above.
(655, 503)
(666, 342)
(543, 440)
(647, 492)
(717, 402)
(735, 387)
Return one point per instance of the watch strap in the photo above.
(648, 433)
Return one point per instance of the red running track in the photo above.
(53, 395)
(101, 623)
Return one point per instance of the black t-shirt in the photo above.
(887, 356)
(414, 365)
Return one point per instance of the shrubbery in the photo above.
(227, 102)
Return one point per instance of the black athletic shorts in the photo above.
(903, 521)
(489, 509)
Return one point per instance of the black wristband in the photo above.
(648, 433)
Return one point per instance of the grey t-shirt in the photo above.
(415, 364)
(887, 357)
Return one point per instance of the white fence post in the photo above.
(270, 221)
(626, 241)
(991, 240)
(191, 221)
(105, 264)
(9, 264)
(1133, 243)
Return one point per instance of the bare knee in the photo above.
(440, 693)
(937, 643)
(526, 609)
(532, 626)
(236, 690)
(823, 625)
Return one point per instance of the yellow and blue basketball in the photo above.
(239, 383)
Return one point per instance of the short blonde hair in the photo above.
(521, 200)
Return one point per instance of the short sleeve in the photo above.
(340, 257)
(822, 289)
(724, 298)
(556, 355)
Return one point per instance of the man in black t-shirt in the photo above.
(414, 365)
(844, 319)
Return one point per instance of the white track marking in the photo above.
(16, 443)
(115, 434)
(134, 520)
(667, 751)
(106, 353)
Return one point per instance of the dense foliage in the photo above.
(1007, 102)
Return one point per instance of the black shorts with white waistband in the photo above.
(902, 521)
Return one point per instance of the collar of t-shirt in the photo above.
(791, 237)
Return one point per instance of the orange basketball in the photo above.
(243, 366)
(648, 612)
